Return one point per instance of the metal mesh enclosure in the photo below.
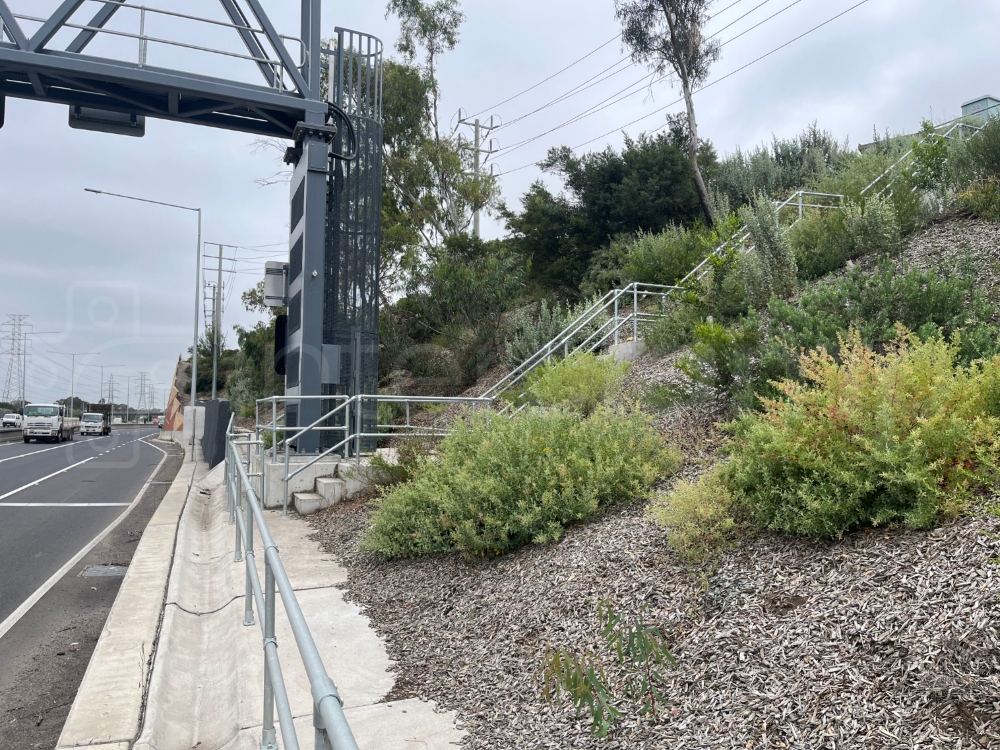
(354, 222)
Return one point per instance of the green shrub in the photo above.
(875, 439)
(875, 303)
(873, 226)
(674, 330)
(722, 357)
(982, 199)
(821, 243)
(977, 159)
(502, 482)
(579, 383)
(531, 332)
(702, 517)
(930, 158)
(667, 257)
(769, 269)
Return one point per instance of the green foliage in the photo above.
(702, 517)
(639, 648)
(647, 186)
(253, 367)
(821, 243)
(501, 482)
(672, 331)
(769, 269)
(874, 439)
(982, 199)
(578, 383)
(530, 333)
(930, 158)
(461, 298)
(977, 159)
(782, 167)
(873, 226)
(874, 303)
(722, 357)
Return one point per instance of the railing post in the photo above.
(284, 502)
(635, 312)
(268, 737)
(248, 544)
(231, 483)
(274, 430)
(357, 430)
(616, 319)
(800, 205)
(322, 741)
(236, 526)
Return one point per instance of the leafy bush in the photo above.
(502, 482)
(875, 303)
(722, 357)
(930, 158)
(873, 226)
(703, 517)
(672, 331)
(876, 439)
(779, 168)
(977, 159)
(579, 383)
(667, 257)
(982, 199)
(821, 243)
(531, 333)
(769, 268)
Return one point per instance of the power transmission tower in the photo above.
(15, 332)
(143, 404)
(480, 129)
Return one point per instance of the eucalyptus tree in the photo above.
(667, 36)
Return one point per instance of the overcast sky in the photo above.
(115, 279)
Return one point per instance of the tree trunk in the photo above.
(699, 181)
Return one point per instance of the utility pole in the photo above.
(111, 394)
(128, 395)
(72, 378)
(479, 129)
(216, 324)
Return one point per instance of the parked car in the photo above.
(11, 420)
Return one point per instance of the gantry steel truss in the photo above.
(32, 68)
(334, 346)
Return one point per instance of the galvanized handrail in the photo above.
(332, 729)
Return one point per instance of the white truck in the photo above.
(94, 423)
(48, 422)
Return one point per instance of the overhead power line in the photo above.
(546, 80)
(707, 85)
(739, 18)
(761, 23)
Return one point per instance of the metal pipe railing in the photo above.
(332, 729)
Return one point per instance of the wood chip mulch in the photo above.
(887, 639)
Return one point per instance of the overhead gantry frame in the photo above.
(288, 104)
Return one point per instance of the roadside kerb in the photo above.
(108, 709)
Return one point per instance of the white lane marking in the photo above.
(45, 450)
(63, 505)
(49, 476)
(42, 590)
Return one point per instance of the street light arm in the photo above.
(141, 200)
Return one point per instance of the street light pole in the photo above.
(197, 279)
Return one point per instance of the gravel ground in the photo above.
(886, 639)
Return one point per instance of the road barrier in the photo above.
(332, 730)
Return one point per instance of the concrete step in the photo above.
(307, 503)
(332, 490)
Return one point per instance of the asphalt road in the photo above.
(56, 499)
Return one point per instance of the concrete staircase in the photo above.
(329, 490)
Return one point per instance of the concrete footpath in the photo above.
(205, 687)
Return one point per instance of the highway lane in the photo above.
(56, 498)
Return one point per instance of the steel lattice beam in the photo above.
(99, 20)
